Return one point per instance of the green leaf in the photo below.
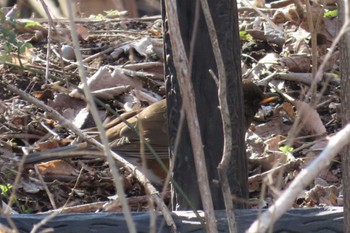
(97, 17)
(286, 149)
(331, 14)
(245, 36)
(5, 188)
(335, 75)
(112, 13)
(242, 33)
(31, 24)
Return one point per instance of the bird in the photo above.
(253, 98)
(152, 122)
(153, 119)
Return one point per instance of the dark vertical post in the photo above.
(225, 18)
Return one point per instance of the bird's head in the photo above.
(253, 99)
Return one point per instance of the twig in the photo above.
(96, 21)
(226, 154)
(305, 78)
(273, 25)
(296, 126)
(49, 194)
(51, 26)
(305, 177)
(90, 101)
(42, 222)
(292, 164)
(72, 190)
(120, 160)
(74, 65)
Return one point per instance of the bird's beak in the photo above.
(269, 97)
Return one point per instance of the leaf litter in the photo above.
(124, 61)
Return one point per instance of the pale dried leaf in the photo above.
(110, 93)
(309, 118)
(30, 186)
(147, 96)
(255, 145)
(131, 102)
(270, 60)
(297, 63)
(149, 47)
(121, 79)
(66, 105)
(81, 117)
(108, 85)
(259, 3)
(300, 42)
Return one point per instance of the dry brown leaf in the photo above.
(43, 95)
(57, 168)
(316, 14)
(288, 108)
(82, 31)
(310, 118)
(254, 186)
(297, 63)
(287, 14)
(272, 127)
(300, 43)
(273, 143)
(45, 146)
(328, 176)
(19, 121)
(311, 154)
(315, 150)
(3, 107)
(322, 195)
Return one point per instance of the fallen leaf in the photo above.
(82, 31)
(108, 85)
(310, 119)
(57, 168)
